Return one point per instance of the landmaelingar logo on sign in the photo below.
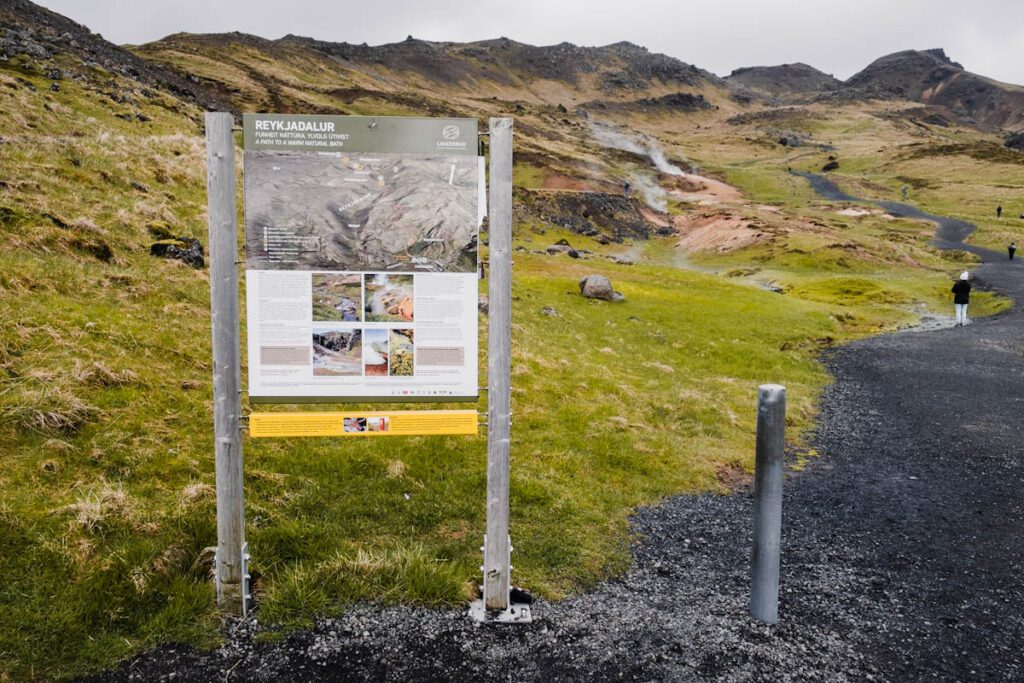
(451, 134)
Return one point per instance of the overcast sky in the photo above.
(836, 36)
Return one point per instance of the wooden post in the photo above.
(499, 363)
(227, 378)
(768, 476)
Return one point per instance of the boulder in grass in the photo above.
(599, 287)
(186, 249)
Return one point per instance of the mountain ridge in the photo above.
(563, 74)
(624, 72)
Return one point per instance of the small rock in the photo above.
(140, 187)
(186, 249)
(550, 311)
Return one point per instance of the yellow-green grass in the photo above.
(525, 175)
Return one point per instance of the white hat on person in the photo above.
(964, 275)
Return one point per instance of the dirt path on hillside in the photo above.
(903, 554)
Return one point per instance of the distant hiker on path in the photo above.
(999, 212)
(905, 190)
(961, 296)
(1012, 248)
(625, 189)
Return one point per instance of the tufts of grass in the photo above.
(45, 409)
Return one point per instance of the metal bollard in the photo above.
(771, 434)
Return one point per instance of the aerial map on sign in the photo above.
(352, 211)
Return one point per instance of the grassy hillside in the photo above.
(108, 509)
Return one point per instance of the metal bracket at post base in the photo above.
(246, 576)
(515, 613)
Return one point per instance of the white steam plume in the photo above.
(654, 195)
(607, 135)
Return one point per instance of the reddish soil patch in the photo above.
(562, 182)
(720, 232)
(733, 476)
(655, 217)
(699, 189)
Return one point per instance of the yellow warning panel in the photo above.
(393, 423)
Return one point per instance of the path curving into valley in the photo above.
(950, 233)
(903, 550)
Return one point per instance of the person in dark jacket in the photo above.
(999, 212)
(961, 297)
(1012, 248)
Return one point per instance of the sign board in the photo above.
(361, 258)
(395, 423)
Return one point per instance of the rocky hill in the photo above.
(37, 35)
(551, 74)
(925, 76)
(784, 79)
(930, 77)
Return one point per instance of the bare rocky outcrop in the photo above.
(784, 79)
(592, 214)
(1016, 141)
(674, 102)
(185, 249)
(35, 32)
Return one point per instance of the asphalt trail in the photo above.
(903, 552)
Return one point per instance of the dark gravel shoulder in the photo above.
(903, 555)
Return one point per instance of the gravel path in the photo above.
(903, 557)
